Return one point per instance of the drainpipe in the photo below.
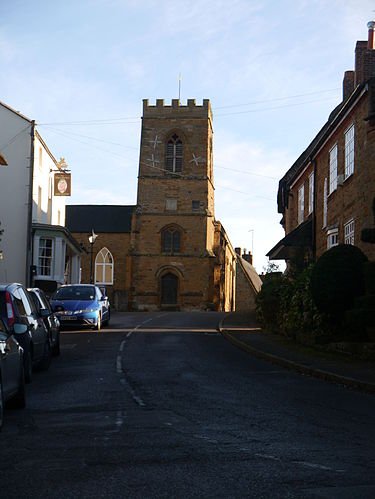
(29, 242)
(314, 213)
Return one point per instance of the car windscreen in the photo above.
(74, 293)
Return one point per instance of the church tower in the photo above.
(173, 230)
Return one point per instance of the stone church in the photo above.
(168, 251)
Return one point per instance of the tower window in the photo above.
(195, 205)
(171, 241)
(173, 159)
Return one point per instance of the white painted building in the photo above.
(35, 248)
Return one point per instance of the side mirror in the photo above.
(20, 328)
(44, 312)
(104, 298)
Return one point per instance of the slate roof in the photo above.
(251, 273)
(100, 218)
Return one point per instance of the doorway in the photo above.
(169, 289)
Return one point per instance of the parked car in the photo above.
(12, 378)
(81, 305)
(50, 319)
(17, 307)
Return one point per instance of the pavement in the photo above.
(242, 330)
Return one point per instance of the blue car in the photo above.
(81, 305)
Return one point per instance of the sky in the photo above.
(272, 70)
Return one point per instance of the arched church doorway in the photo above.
(169, 289)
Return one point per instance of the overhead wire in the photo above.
(67, 134)
(248, 111)
(14, 137)
(277, 99)
(125, 120)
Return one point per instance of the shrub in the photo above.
(300, 312)
(337, 279)
(269, 300)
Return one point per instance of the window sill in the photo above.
(330, 195)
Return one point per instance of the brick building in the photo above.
(325, 198)
(168, 251)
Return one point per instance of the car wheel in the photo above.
(56, 347)
(28, 366)
(46, 361)
(99, 323)
(19, 400)
(1, 404)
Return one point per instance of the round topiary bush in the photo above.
(337, 279)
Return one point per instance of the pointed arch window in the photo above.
(171, 241)
(104, 266)
(173, 157)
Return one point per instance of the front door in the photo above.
(169, 289)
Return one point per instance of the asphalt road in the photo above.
(160, 405)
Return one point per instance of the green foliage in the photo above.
(337, 279)
(269, 300)
(300, 312)
(271, 267)
(284, 304)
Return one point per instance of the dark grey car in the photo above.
(12, 379)
(17, 307)
(51, 322)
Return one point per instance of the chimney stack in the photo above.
(248, 257)
(365, 57)
(238, 251)
(370, 42)
(348, 84)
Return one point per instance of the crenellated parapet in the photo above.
(191, 109)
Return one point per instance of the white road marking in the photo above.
(318, 466)
(119, 420)
(135, 397)
(203, 437)
(118, 364)
(302, 463)
(265, 456)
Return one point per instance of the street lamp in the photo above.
(92, 241)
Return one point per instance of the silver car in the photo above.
(12, 378)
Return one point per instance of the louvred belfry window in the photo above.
(173, 159)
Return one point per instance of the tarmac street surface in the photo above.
(162, 405)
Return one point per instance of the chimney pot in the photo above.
(371, 28)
